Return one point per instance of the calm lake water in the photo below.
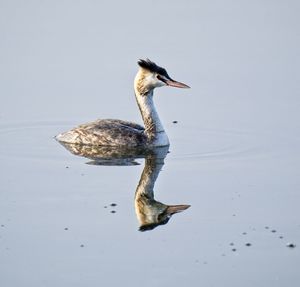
(234, 157)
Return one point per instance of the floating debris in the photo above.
(290, 245)
(248, 244)
(231, 244)
(266, 227)
(81, 245)
(175, 122)
(244, 233)
(66, 228)
(67, 167)
(274, 231)
(281, 237)
(233, 249)
(113, 204)
(113, 211)
(105, 206)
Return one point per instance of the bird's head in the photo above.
(151, 76)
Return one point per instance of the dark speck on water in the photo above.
(231, 244)
(273, 231)
(281, 237)
(175, 122)
(233, 249)
(244, 233)
(267, 227)
(113, 204)
(66, 228)
(81, 245)
(291, 245)
(248, 244)
(113, 211)
(2, 225)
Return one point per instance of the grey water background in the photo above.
(234, 154)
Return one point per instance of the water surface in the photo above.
(234, 154)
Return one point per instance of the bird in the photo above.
(120, 133)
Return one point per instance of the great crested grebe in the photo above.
(120, 133)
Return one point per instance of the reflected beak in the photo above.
(172, 209)
(176, 84)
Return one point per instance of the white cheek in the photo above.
(160, 84)
(156, 82)
(153, 82)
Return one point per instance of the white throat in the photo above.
(154, 129)
(149, 113)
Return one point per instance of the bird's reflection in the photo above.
(150, 212)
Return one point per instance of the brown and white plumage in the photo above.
(110, 132)
(107, 132)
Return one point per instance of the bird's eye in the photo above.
(159, 77)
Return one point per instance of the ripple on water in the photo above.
(218, 145)
(33, 140)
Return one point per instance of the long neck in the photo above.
(153, 125)
(149, 114)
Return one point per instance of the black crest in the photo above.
(152, 67)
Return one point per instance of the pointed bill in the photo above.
(176, 84)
